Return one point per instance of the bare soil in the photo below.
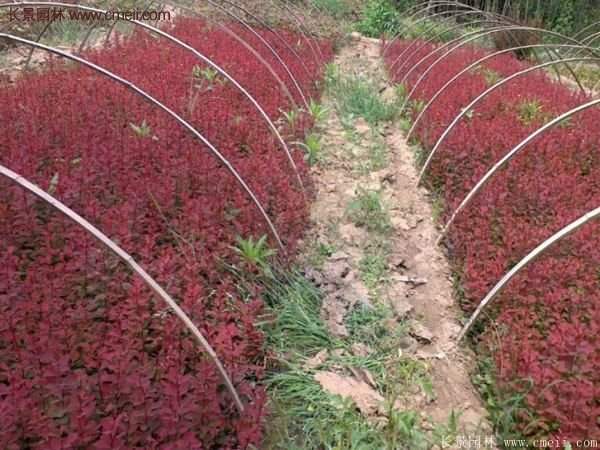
(420, 288)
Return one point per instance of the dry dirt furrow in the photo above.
(419, 287)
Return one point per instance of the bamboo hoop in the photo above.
(200, 56)
(471, 37)
(213, 150)
(268, 46)
(416, 45)
(428, 6)
(480, 97)
(530, 257)
(128, 259)
(285, 7)
(511, 154)
(471, 67)
(423, 44)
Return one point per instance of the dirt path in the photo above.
(417, 286)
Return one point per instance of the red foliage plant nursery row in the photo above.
(88, 357)
(548, 319)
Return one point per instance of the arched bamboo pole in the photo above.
(531, 256)
(511, 154)
(243, 42)
(422, 44)
(127, 84)
(412, 25)
(286, 8)
(583, 30)
(265, 42)
(471, 67)
(471, 37)
(480, 97)
(417, 45)
(200, 56)
(226, 29)
(426, 7)
(262, 23)
(89, 32)
(128, 259)
(256, 34)
(491, 19)
(591, 38)
(445, 49)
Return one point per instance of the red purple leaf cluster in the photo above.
(547, 322)
(89, 358)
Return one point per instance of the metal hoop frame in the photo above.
(429, 17)
(266, 43)
(432, 39)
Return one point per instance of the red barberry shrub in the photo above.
(547, 319)
(89, 358)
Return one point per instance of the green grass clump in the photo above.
(367, 210)
(356, 97)
(373, 266)
(304, 416)
(297, 327)
(506, 410)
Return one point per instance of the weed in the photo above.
(205, 79)
(312, 145)
(298, 327)
(314, 419)
(318, 253)
(565, 123)
(529, 111)
(416, 106)
(405, 124)
(291, 118)
(367, 210)
(373, 266)
(317, 111)
(506, 410)
(491, 77)
(377, 156)
(307, 417)
(403, 431)
(420, 154)
(366, 324)
(256, 254)
(368, 158)
(401, 92)
(437, 207)
(143, 130)
(411, 372)
(356, 97)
